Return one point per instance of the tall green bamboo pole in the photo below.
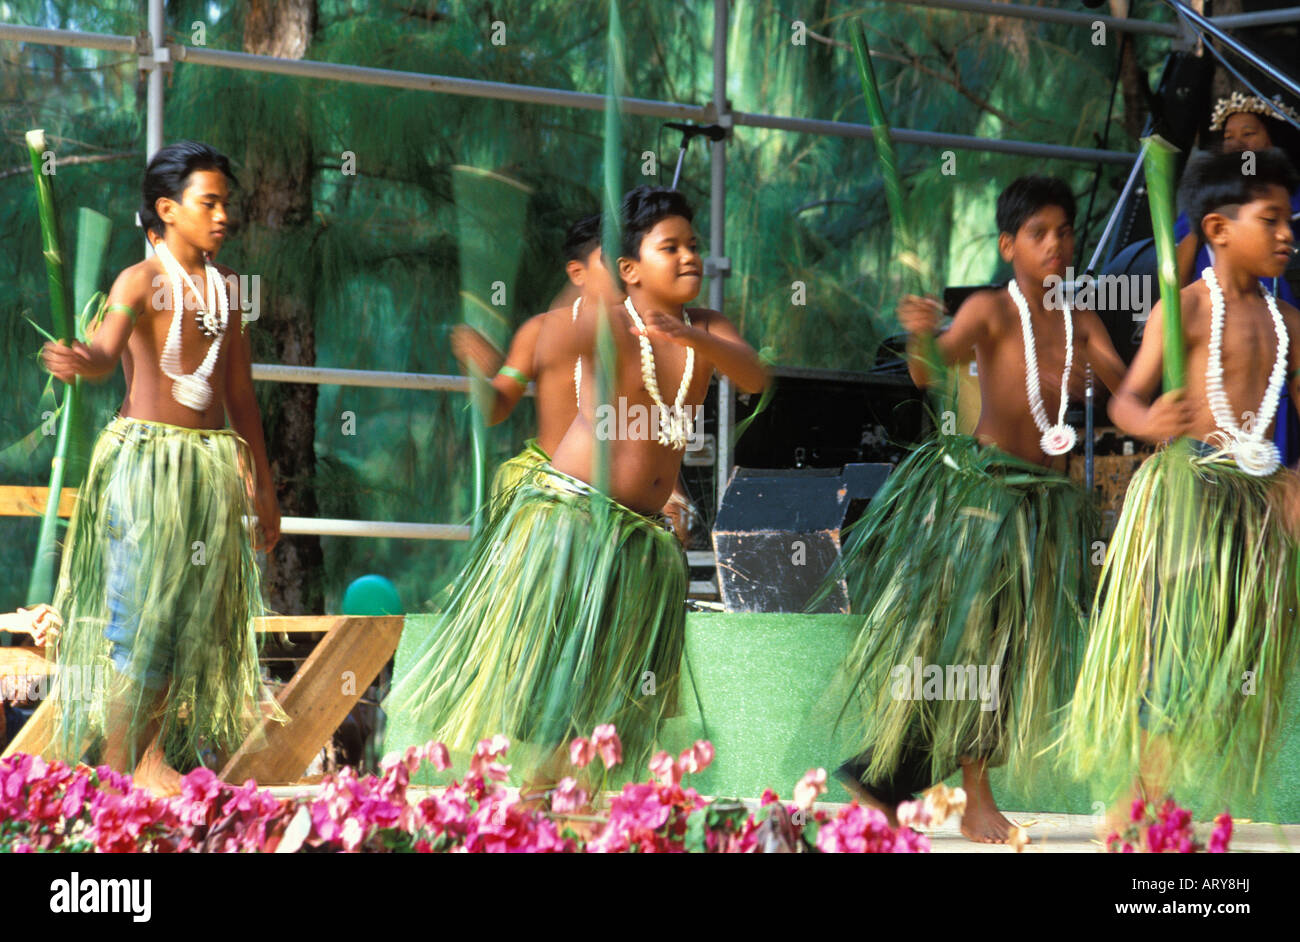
(919, 276)
(1160, 169)
(611, 228)
(489, 210)
(40, 588)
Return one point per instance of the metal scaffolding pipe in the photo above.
(325, 526)
(549, 96)
(326, 376)
(425, 82)
(1048, 15)
(1261, 18)
(938, 139)
(154, 102)
(67, 37)
(1204, 26)
(717, 234)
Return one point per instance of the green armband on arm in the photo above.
(516, 375)
(1293, 374)
(123, 308)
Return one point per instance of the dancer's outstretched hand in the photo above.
(471, 347)
(919, 315)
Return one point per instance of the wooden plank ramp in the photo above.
(345, 662)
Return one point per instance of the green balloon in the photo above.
(372, 595)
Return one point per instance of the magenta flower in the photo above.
(568, 797)
(1221, 835)
(1138, 811)
(481, 763)
(665, 769)
(581, 752)
(698, 757)
(607, 743)
(437, 754)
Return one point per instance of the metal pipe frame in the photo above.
(476, 88)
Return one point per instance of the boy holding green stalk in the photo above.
(158, 578)
(1185, 671)
(545, 349)
(971, 563)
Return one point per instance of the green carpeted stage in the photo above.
(763, 689)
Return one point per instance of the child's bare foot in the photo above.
(982, 822)
(155, 775)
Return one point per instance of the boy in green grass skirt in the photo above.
(570, 612)
(970, 565)
(546, 348)
(159, 584)
(1195, 635)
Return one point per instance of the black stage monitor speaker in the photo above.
(778, 534)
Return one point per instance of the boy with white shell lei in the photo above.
(159, 582)
(571, 610)
(975, 552)
(1184, 678)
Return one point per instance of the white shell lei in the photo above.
(577, 364)
(1252, 453)
(674, 423)
(1059, 438)
(192, 390)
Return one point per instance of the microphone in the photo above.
(714, 132)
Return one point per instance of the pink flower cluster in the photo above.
(1168, 831)
(52, 807)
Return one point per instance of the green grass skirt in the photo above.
(968, 559)
(1195, 632)
(570, 613)
(158, 588)
(514, 471)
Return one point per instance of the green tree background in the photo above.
(379, 252)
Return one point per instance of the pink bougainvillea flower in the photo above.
(568, 797)
(491, 748)
(1221, 835)
(605, 739)
(581, 752)
(697, 758)
(1138, 811)
(437, 754)
(810, 786)
(665, 769)
(481, 764)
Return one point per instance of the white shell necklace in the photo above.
(192, 390)
(1059, 438)
(674, 422)
(1252, 453)
(577, 364)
